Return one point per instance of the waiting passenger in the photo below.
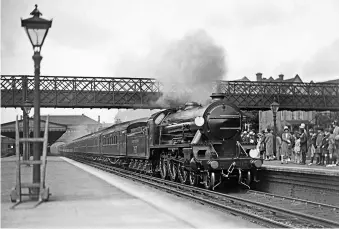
(278, 147)
(252, 138)
(269, 145)
(331, 146)
(336, 141)
(303, 144)
(312, 145)
(261, 145)
(324, 147)
(297, 149)
(318, 143)
(285, 145)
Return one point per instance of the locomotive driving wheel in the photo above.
(193, 178)
(173, 171)
(182, 174)
(209, 180)
(248, 178)
(163, 168)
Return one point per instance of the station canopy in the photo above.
(55, 130)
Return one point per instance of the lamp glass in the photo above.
(27, 107)
(36, 35)
(275, 107)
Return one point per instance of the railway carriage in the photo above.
(194, 144)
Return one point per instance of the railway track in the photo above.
(263, 208)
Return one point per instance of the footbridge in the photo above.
(136, 93)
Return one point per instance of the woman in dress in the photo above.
(285, 145)
(269, 145)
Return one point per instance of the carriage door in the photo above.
(122, 140)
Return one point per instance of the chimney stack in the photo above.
(281, 77)
(217, 96)
(259, 76)
(98, 118)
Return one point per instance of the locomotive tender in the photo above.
(195, 144)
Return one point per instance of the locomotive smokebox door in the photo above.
(223, 121)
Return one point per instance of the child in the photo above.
(324, 147)
(297, 149)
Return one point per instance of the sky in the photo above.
(94, 38)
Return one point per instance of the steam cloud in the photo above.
(186, 68)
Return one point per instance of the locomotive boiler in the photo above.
(194, 144)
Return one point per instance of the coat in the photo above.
(303, 142)
(286, 144)
(269, 144)
(278, 143)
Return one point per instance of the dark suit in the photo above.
(303, 146)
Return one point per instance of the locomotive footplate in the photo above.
(242, 163)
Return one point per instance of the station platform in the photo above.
(83, 196)
(314, 183)
(276, 165)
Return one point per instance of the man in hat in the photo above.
(303, 143)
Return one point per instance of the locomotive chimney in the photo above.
(190, 105)
(217, 96)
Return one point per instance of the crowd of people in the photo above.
(321, 144)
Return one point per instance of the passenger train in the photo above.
(195, 144)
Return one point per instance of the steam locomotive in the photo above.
(196, 145)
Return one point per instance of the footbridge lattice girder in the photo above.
(100, 92)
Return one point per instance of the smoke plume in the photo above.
(186, 68)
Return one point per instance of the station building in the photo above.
(292, 119)
(62, 129)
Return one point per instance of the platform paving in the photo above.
(83, 196)
(276, 165)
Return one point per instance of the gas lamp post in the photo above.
(275, 108)
(36, 29)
